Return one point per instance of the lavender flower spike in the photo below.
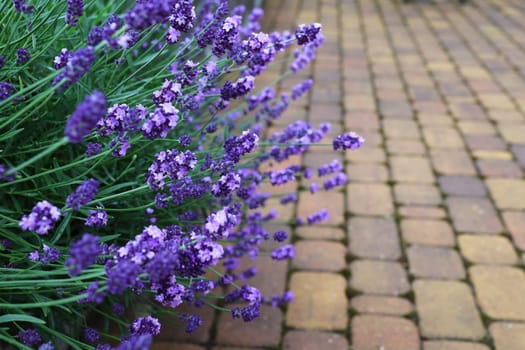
(85, 117)
(349, 140)
(42, 218)
(75, 9)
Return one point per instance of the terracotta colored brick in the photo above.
(512, 133)
(378, 277)
(475, 215)
(319, 301)
(477, 127)
(435, 262)
(499, 168)
(500, 290)
(370, 332)
(262, 331)
(452, 345)
(411, 194)
(366, 154)
(493, 155)
(405, 147)
(314, 340)
(452, 162)
(462, 186)
(400, 129)
(442, 137)
(411, 169)
(508, 335)
(319, 256)
(370, 304)
(515, 223)
(507, 193)
(427, 232)
(447, 309)
(373, 238)
(367, 172)
(369, 199)
(332, 201)
(422, 212)
(487, 249)
(485, 142)
(175, 346)
(519, 153)
(318, 232)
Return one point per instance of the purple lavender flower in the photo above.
(169, 92)
(91, 335)
(148, 13)
(2, 61)
(221, 223)
(349, 140)
(250, 312)
(135, 342)
(226, 185)
(4, 169)
(97, 218)
(83, 253)
(85, 117)
(46, 256)
(160, 122)
(78, 64)
(6, 90)
(280, 236)
(288, 198)
(170, 164)
(226, 36)
(330, 168)
(314, 187)
(60, 61)
(285, 252)
(237, 146)
(182, 15)
(301, 88)
(30, 337)
(338, 180)
(307, 33)
(118, 308)
(75, 9)
(95, 36)
(319, 216)
(22, 56)
(123, 275)
(145, 325)
(47, 346)
(193, 322)
(240, 88)
(93, 149)
(83, 194)
(21, 6)
(42, 218)
(93, 295)
(280, 300)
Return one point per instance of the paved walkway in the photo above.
(423, 249)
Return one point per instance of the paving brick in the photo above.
(422, 212)
(507, 193)
(411, 169)
(519, 153)
(232, 348)
(262, 331)
(487, 249)
(320, 232)
(427, 232)
(371, 304)
(319, 256)
(500, 290)
(369, 199)
(477, 127)
(400, 129)
(447, 309)
(319, 301)
(436, 119)
(332, 201)
(375, 238)
(453, 345)
(442, 137)
(405, 147)
(462, 186)
(317, 159)
(452, 162)
(378, 277)
(366, 154)
(175, 346)
(435, 262)
(411, 194)
(493, 155)
(367, 172)
(473, 215)
(515, 223)
(361, 120)
(485, 142)
(370, 332)
(467, 111)
(314, 340)
(499, 168)
(508, 335)
(271, 274)
(512, 133)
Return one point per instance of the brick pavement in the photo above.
(424, 249)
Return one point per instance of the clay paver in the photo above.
(487, 249)
(369, 199)
(313, 340)
(382, 305)
(319, 256)
(373, 238)
(435, 262)
(427, 232)
(447, 310)
(452, 345)
(462, 186)
(379, 277)
(476, 215)
(508, 335)
(499, 291)
(370, 332)
(507, 193)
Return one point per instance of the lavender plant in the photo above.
(133, 156)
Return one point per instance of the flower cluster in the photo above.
(42, 218)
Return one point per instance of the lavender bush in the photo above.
(133, 155)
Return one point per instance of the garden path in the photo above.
(424, 246)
